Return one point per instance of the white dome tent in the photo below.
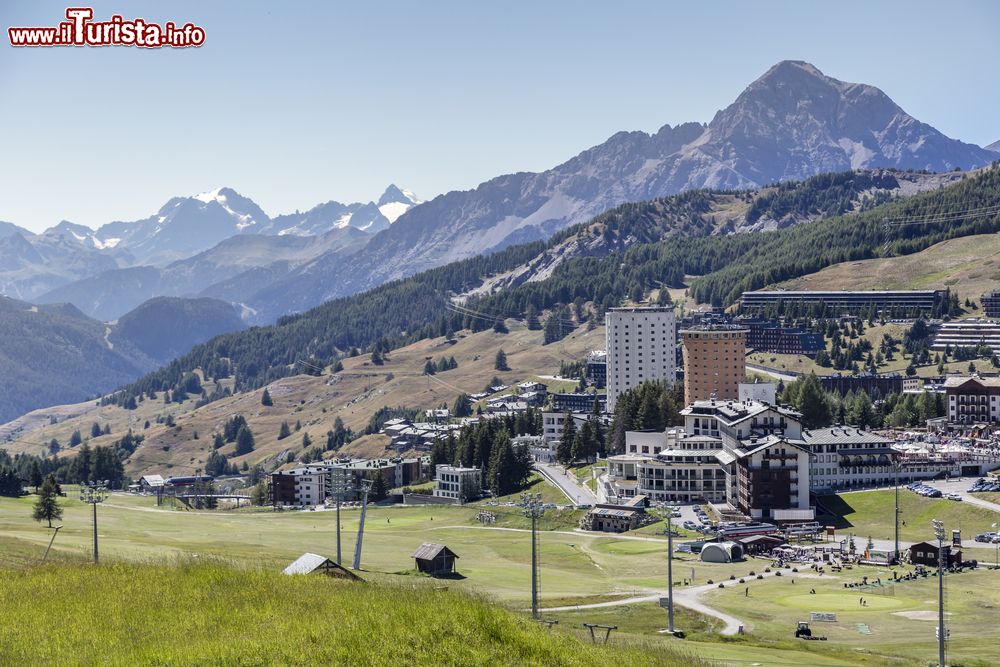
(721, 552)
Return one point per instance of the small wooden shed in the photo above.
(435, 559)
(316, 564)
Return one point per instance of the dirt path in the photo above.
(684, 597)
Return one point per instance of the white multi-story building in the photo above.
(458, 483)
(642, 345)
(845, 456)
(666, 467)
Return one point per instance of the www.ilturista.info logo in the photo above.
(80, 30)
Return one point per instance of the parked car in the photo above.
(985, 537)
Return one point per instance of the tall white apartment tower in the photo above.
(642, 344)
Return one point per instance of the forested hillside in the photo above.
(418, 307)
(54, 354)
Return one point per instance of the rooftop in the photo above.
(839, 435)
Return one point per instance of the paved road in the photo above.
(777, 375)
(566, 482)
(961, 487)
(683, 597)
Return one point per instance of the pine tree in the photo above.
(812, 402)
(47, 506)
(284, 431)
(564, 450)
(380, 489)
(265, 398)
(217, 442)
(586, 443)
(306, 440)
(462, 407)
(499, 326)
(500, 363)
(429, 368)
(532, 319)
(36, 475)
(244, 441)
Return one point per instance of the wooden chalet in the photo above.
(435, 559)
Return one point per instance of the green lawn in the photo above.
(575, 568)
(869, 514)
(537, 484)
(218, 615)
(900, 618)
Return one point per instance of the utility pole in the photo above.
(532, 504)
(896, 469)
(939, 534)
(366, 486)
(94, 494)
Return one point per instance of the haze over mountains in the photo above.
(32, 265)
(55, 354)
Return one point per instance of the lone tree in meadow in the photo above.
(265, 399)
(47, 507)
(501, 361)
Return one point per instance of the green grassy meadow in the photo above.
(576, 569)
(126, 614)
(869, 514)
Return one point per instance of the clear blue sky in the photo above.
(292, 104)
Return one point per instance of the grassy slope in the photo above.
(212, 614)
(576, 568)
(970, 265)
(353, 394)
(869, 513)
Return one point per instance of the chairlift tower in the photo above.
(533, 508)
(366, 486)
(94, 493)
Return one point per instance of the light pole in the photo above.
(366, 486)
(996, 541)
(896, 468)
(667, 512)
(94, 493)
(532, 504)
(341, 485)
(939, 534)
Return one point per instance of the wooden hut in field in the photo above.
(316, 564)
(435, 559)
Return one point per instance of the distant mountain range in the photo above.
(791, 123)
(995, 146)
(53, 354)
(33, 265)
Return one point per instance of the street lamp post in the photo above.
(532, 504)
(939, 534)
(668, 518)
(896, 468)
(341, 486)
(94, 493)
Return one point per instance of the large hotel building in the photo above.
(642, 344)
(714, 362)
